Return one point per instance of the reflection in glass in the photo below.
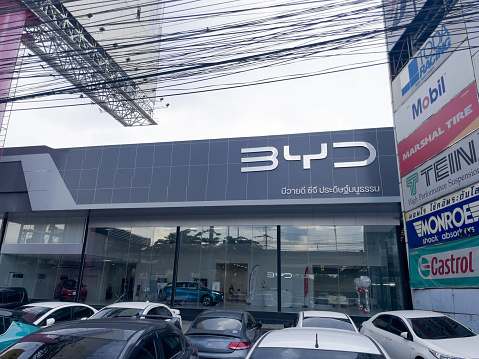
(351, 269)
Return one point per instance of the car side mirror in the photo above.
(288, 325)
(175, 321)
(50, 321)
(406, 335)
(259, 324)
(175, 311)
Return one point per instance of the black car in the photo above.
(223, 333)
(112, 338)
(12, 297)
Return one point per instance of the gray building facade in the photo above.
(274, 224)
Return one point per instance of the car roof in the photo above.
(12, 288)
(15, 314)
(133, 305)
(54, 304)
(328, 339)
(111, 327)
(324, 314)
(413, 313)
(238, 314)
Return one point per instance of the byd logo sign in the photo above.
(272, 156)
(452, 264)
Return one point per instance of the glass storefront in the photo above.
(39, 252)
(354, 269)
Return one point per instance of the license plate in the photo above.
(74, 293)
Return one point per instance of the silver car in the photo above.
(316, 343)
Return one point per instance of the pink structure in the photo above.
(11, 27)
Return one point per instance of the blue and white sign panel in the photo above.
(449, 80)
(452, 217)
(447, 37)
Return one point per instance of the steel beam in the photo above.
(65, 45)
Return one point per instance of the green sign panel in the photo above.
(453, 264)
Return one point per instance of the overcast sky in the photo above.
(338, 101)
(342, 101)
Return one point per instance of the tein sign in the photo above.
(451, 170)
(455, 120)
(452, 217)
(450, 264)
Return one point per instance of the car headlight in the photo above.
(443, 356)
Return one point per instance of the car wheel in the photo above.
(206, 300)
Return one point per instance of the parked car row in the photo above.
(143, 330)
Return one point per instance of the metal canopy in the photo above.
(65, 45)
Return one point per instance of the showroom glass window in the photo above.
(231, 260)
(352, 269)
(128, 263)
(40, 251)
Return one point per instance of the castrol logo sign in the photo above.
(453, 264)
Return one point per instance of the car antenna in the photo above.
(316, 345)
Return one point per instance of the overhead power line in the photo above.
(203, 46)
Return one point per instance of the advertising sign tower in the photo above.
(434, 85)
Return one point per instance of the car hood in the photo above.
(463, 347)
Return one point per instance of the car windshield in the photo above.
(6, 318)
(336, 323)
(69, 283)
(32, 313)
(228, 326)
(439, 328)
(296, 353)
(116, 313)
(66, 346)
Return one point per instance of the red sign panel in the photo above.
(454, 121)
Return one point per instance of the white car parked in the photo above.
(315, 343)
(324, 319)
(44, 314)
(411, 334)
(140, 309)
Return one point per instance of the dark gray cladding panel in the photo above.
(12, 178)
(14, 202)
(355, 166)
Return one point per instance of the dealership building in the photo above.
(271, 224)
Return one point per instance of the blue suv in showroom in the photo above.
(192, 292)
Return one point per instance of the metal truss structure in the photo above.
(65, 45)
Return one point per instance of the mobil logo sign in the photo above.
(452, 77)
(455, 120)
(454, 264)
(447, 222)
(447, 37)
